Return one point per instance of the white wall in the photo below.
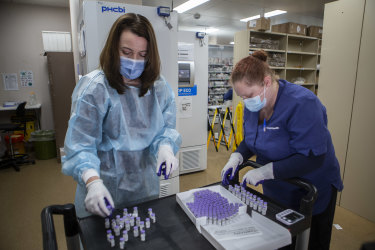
(21, 48)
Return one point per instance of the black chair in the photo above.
(12, 159)
(21, 117)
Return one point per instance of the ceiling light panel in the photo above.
(189, 5)
(250, 18)
(211, 30)
(274, 13)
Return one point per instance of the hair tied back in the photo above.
(261, 55)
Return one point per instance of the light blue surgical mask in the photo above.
(254, 104)
(131, 68)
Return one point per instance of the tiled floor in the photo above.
(24, 194)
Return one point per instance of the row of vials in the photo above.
(128, 222)
(254, 202)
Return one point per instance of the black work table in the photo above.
(173, 228)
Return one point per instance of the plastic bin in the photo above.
(17, 144)
(44, 144)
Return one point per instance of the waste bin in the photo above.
(44, 144)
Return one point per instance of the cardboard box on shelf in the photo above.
(261, 24)
(290, 28)
(315, 31)
(276, 28)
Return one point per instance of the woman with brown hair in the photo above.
(285, 126)
(122, 123)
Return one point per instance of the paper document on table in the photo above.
(233, 232)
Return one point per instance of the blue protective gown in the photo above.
(119, 136)
(298, 125)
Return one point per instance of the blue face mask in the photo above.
(255, 104)
(130, 68)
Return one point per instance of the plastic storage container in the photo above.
(32, 99)
(44, 144)
(17, 144)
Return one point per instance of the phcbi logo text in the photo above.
(113, 9)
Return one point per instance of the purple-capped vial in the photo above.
(117, 230)
(137, 220)
(153, 218)
(127, 225)
(113, 223)
(122, 243)
(264, 208)
(107, 223)
(255, 205)
(125, 235)
(141, 225)
(118, 219)
(135, 211)
(112, 240)
(143, 235)
(135, 231)
(247, 200)
(109, 233)
(122, 223)
(149, 211)
(125, 212)
(148, 223)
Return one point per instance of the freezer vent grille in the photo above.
(164, 189)
(190, 159)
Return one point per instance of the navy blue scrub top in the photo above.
(298, 125)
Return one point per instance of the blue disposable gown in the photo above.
(119, 135)
(298, 125)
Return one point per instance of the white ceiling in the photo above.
(225, 14)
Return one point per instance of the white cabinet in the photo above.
(347, 90)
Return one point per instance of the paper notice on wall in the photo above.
(26, 78)
(185, 107)
(185, 52)
(10, 81)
